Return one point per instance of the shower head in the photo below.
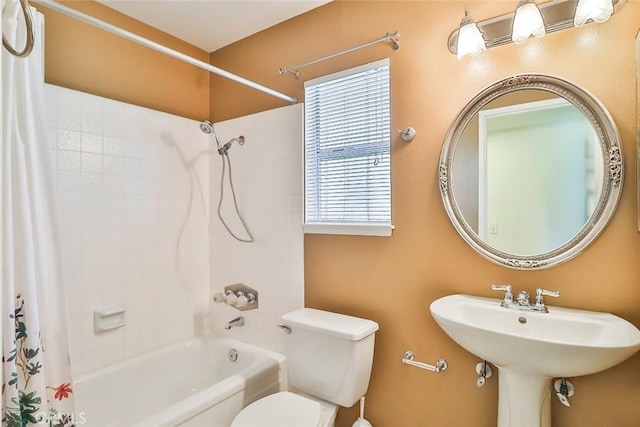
(224, 149)
(206, 126)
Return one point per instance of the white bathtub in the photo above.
(192, 383)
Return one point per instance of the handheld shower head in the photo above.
(206, 126)
(222, 150)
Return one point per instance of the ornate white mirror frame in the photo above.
(609, 141)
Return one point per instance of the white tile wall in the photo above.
(267, 175)
(132, 187)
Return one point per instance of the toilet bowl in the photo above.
(329, 360)
(286, 409)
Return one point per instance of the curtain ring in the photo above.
(28, 19)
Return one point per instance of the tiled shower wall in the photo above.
(267, 176)
(132, 188)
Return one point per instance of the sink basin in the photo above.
(562, 343)
(530, 348)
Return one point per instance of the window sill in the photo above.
(350, 229)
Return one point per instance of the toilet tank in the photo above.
(329, 355)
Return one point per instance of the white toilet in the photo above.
(329, 358)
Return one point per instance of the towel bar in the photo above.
(409, 357)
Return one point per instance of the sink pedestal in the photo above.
(523, 400)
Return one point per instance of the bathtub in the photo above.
(192, 383)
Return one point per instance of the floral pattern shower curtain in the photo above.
(36, 380)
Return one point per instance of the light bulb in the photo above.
(527, 22)
(596, 10)
(470, 39)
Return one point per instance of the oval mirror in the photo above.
(531, 171)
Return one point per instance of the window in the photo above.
(347, 152)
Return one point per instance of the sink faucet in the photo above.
(238, 321)
(523, 301)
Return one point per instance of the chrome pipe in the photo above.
(87, 19)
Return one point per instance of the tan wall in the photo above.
(81, 57)
(393, 280)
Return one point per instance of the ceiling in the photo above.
(212, 24)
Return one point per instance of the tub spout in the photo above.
(238, 321)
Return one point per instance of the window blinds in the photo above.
(347, 147)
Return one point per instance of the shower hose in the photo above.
(224, 156)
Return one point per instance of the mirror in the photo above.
(531, 171)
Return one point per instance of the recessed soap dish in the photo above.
(108, 318)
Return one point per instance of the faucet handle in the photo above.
(508, 294)
(540, 293)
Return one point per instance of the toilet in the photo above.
(329, 358)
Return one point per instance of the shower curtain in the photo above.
(36, 380)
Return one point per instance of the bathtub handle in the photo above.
(285, 328)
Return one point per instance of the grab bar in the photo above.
(28, 20)
(408, 359)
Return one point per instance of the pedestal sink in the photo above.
(530, 348)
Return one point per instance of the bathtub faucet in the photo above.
(238, 321)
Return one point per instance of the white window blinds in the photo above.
(347, 152)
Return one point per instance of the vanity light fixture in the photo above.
(470, 39)
(596, 10)
(527, 22)
(550, 16)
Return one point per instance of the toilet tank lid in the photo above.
(334, 324)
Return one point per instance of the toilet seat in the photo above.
(284, 409)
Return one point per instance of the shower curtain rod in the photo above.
(160, 48)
